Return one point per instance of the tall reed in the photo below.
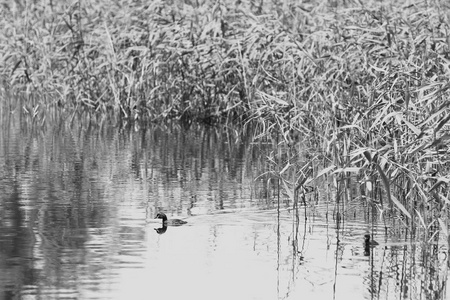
(365, 84)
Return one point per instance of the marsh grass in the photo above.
(363, 87)
(370, 88)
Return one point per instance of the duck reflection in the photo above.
(161, 230)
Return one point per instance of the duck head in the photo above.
(161, 216)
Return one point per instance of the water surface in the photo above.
(77, 208)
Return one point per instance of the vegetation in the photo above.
(364, 84)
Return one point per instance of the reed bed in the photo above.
(363, 87)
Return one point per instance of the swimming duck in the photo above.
(368, 242)
(171, 222)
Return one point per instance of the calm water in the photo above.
(77, 208)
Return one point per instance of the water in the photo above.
(77, 208)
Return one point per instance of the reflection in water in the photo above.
(161, 230)
(77, 207)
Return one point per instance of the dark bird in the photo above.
(369, 242)
(171, 222)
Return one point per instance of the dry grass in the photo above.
(364, 85)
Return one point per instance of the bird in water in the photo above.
(369, 242)
(171, 222)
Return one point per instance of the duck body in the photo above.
(171, 222)
(368, 242)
